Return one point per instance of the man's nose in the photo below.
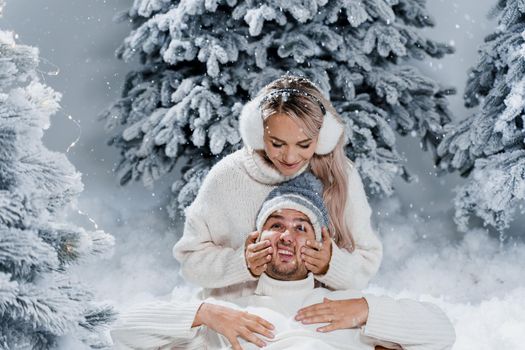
(286, 237)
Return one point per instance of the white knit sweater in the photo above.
(404, 323)
(211, 250)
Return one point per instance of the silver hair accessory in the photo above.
(286, 92)
(251, 123)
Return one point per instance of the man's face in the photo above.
(287, 230)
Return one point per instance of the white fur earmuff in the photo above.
(251, 128)
(329, 135)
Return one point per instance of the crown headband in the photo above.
(291, 91)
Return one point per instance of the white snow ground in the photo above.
(475, 278)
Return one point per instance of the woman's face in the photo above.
(286, 144)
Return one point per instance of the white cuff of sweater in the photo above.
(237, 270)
(408, 322)
(337, 275)
(186, 314)
(383, 318)
(156, 324)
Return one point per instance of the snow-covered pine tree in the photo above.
(203, 59)
(488, 147)
(40, 304)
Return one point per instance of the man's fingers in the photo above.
(259, 328)
(327, 318)
(265, 323)
(330, 327)
(235, 343)
(313, 311)
(249, 336)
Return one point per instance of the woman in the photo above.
(288, 127)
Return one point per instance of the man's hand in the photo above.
(233, 323)
(257, 255)
(339, 314)
(317, 255)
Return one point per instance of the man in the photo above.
(287, 308)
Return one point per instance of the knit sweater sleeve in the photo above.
(204, 261)
(158, 325)
(353, 270)
(408, 323)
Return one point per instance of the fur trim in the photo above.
(329, 135)
(251, 128)
(251, 125)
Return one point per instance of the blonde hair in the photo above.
(332, 168)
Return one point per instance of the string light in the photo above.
(77, 123)
(69, 248)
(55, 69)
(89, 218)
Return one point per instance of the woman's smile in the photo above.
(290, 166)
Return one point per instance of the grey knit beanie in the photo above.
(303, 193)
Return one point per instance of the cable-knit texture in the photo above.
(403, 323)
(211, 250)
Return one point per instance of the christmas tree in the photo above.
(488, 146)
(202, 60)
(40, 304)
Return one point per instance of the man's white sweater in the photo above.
(211, 250)
(399, 324)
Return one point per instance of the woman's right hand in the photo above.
(233, 323)
(257, 255)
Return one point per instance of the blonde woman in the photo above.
(287, 128)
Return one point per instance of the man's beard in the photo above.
(285, 273)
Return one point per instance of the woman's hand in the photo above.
(317, 255)
(257, 255)
(339, 314)
(233, 323)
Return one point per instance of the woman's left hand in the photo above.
(317, 255)
(339, 314)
